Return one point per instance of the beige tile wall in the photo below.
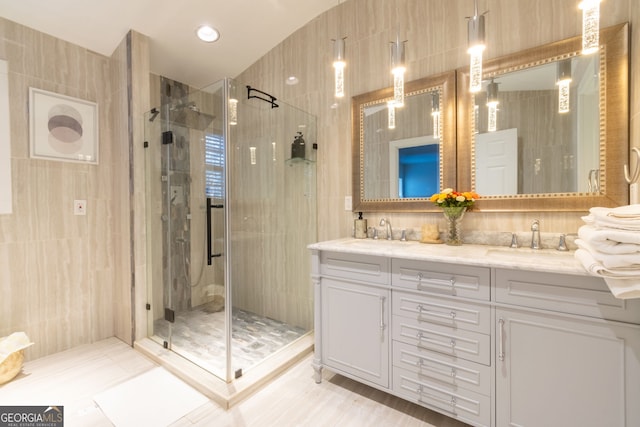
(67, 280)
(436, 34)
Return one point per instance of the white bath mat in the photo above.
(155, 398)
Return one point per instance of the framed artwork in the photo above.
(62, 128)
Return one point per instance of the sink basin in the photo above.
(533, 256)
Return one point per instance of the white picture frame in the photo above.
(62, 128)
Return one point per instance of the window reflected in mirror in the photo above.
(405, 154)
(402, 161)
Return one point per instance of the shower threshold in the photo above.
(223, 393)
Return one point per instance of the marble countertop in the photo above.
(547, 260)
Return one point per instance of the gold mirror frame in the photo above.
(614, 125)
(446, 84)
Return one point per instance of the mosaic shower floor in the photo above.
(198, 335)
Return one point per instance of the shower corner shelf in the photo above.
(296, 160)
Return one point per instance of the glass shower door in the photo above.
(272, 218)
(185, 199)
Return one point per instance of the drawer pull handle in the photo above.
(419, 336)
(501, 340)
(453, 402)
(420, 308)
(420, 363)
(453, 372)
(452, 281)
(419, 276)
(453, 314)
(452, 343)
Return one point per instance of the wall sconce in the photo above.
(564, 82)
(475, 47)
(590, 26)
(397, 69)
(338, 66)
(492, 103)
(435, 114)
(391, 114)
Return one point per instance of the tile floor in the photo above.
(73, 377)
(198, 335)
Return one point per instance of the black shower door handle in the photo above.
(210, 253)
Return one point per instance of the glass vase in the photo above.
(454, 215)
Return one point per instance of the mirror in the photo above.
(397, 168)
(525, 154)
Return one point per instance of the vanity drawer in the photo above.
(565, 293)
(457, 343)
(444, 370)
(364, 268)
(441, 278)
(442, 311)
(465, 405)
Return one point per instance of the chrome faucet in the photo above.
(386, 222)
(535, 234)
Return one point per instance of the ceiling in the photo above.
(249, 29)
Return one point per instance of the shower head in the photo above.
(190, 116)
(154, 113)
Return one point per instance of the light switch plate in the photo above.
(348, 206)
(79, 207)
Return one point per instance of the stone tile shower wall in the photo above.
(176, 162)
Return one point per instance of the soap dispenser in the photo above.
(360, 227)
(298, 147)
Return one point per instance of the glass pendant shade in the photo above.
(252, 155)
(590, 26)
(564, 83)
(476, 45)
(233, 111)
(338, 65)
(492, 104)
(391, 113)
(435, 114)
(398, 69)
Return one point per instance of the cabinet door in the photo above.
(554, 371)
(355, 334)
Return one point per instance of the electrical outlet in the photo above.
(348, 206)
(79, 207)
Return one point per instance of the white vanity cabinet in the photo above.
(355, 300)
(442, 341)
(554, 369)
(486, 341)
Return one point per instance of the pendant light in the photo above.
(398, 69)
(338, 66)
(391, 114)
(492, 104)
(563, 82)
(435, 114)
(590, 26)
(233, 104)
(475, 47)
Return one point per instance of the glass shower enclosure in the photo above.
(231, 207)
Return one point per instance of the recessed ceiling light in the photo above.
(207, 34)
(292, 80)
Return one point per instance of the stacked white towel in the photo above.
(609, 247)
